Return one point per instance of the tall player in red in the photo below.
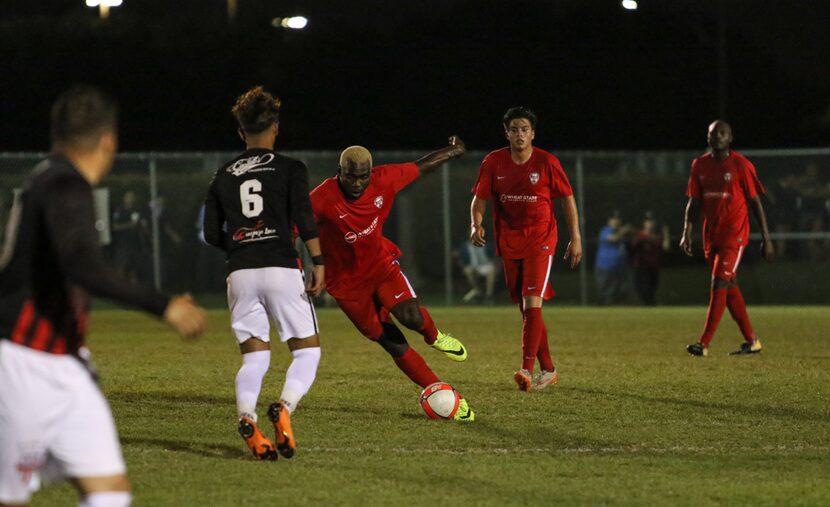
(523, 182)
(362, 270)
(723, 183)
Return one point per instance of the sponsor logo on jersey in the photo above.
(716, 195)
(518, 198)
(534, 178)
(259, 232)
(727, 177)
(352, 236)
(252, 165)
(379, 201)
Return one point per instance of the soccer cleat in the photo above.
(279, 415)
(523, 379)
(544, 379)
(752, 347)
(464, 412)
(258, 443)
(450, 346)
(697, 349)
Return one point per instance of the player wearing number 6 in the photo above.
(251, 207)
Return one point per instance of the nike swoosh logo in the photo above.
(459, 352)
(397, 296)
(343, 216)
(501, 177)
(531, 288)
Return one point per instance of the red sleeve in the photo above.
(397, 176)
(693, 188)
(560, 186)
(751, 184)
(483, 188)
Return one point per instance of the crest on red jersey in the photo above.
(379, 201)
(727, 176)
(534, 178)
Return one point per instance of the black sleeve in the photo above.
(214, 219)
(300, 203)
(70, 224)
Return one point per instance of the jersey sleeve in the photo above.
(483, 187)
(693, 189)
(749, 181)
(213, 218)
(560, 186)
(70, 223)
(398, 175)
(300, 202)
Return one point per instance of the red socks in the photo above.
(717, 304)
(428, 330)
(532, 328)
(545, 361)
(737, 308)
(414, 366)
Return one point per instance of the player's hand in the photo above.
(459, 148)
(318, 281)
(477, 235)
(686, 243)
(767, 250)
(185, 316)
(574, 252)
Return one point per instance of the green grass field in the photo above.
(634, 420)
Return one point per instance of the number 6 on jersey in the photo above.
(250, 200)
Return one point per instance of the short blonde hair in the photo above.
(355, 154)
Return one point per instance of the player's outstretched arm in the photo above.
(691, 217)
(185, 316)
(574, 250)
(431, 161)
(318, 272)
(767, 248)
(477, 209)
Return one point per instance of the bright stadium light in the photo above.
(294, 22)
(629, 5)
(104, 6)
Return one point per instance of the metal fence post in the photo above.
(154, 220)
(445, 194)
(583, 268)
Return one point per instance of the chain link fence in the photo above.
(154, 202)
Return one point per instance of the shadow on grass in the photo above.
(171, 397)
(203, 449)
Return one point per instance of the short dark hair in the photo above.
(519, 112)
(256, 110)
(80, 115)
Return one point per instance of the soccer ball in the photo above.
(439, 401)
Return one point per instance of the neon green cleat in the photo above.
(464, 412)
(451, 347)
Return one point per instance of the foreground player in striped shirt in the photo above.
(723, 184)
(54, 421)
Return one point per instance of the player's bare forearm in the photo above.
(431, 161)
(477, 209)
(767, 248)
(690, 218)
(313, 247)
(574, 250)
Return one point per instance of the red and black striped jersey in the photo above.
(52, 261)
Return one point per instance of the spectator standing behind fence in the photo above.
(130, 237)
(478, 263)
(611, 269)
(646, 249)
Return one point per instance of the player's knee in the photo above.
(107, 499)
(393, 341)
(410, 316)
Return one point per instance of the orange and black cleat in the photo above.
(523, 379)
(258, 443)
(282, 426)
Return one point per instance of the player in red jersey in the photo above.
(523, 182)
(362, 270)
(723, 184)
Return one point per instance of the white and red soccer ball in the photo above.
(440, 401)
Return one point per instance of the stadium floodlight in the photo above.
(629, 5)
(104, 3)
(294, 22)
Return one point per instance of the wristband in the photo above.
(318, 260)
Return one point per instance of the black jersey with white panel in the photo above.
(251, 207)
(52, 261)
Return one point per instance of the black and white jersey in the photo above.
(252, 205)
(51, 260)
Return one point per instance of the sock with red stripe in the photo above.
(531, 334)
(428, 329)
(545, 361)
(717, 304)
(414, 366)
(737, 308)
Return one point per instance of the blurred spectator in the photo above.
(169, 240)
(786, 201)
(646, 248)
(814, 194)
(478, 263)
(610, 269)
(131, 238)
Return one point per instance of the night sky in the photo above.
(401, 74)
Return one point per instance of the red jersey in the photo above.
(522, 195)
(723, 188)
(351, 232)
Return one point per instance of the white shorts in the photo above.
(54, 422)
(256, 294)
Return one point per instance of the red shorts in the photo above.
(369, 304)
(724, 261)
(528, 277)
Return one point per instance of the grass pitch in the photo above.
(634, 419)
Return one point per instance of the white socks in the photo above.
(249, 381)
(106, 499)
(300, 376)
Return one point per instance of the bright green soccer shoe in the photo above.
(464, 412)
(451, 347)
